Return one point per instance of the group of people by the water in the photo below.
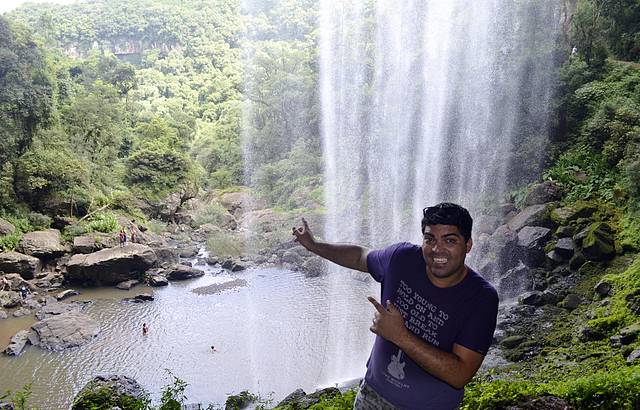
(122, 235)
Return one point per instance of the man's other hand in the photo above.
(388, 323)
(304, 236)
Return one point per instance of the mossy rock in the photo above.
(597, 242)
(573, 212)
(239, 401)
(104, 393)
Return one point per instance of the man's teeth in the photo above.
(440, 260)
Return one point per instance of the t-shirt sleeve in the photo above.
(480, 322)
(379, 260)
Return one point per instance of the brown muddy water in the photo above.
(274, 331)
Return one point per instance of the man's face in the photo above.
(444, 250)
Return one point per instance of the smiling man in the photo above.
(437, 319)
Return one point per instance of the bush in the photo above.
(103, 222)
(615, 390)
(226, 244)
(9, 242)
(39, 221)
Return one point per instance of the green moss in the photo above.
(105, 399)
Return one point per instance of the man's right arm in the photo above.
(349, 256)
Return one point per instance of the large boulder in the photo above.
(534, 215)
(596, 241)
(64, 331)
(92, 243)
(236, 203)
(42, 244)
(515, 281)
(16, 262)
(531, 241)
(105, 391)
(111, 266)
(6, 228)
(547, 191)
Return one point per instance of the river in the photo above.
(271, 336)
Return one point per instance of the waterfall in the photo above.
(426, 101)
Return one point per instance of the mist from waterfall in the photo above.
(423, 102)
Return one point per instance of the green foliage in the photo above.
(9, 242)
(619, 389)
(339, 402)
(173, 396)
(584, 174)
(103, 222)
(20, 398)
(105, 399)
(39, 221)
(629, 231)
(491, 395)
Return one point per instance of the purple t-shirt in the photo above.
(464, 314)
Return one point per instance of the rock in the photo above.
(146, 297)
(89, 244)
(555, 258)
(111, 266)
(629, 334)
(233, 266)
(292, 258)
(182, 272)
(603, 288)
(512, 341)
(66, 294)
(25, 265)
(17, 343)
(596, 242)
(313, 267)
(21, 312)
(314, 398)
(67, 330)
(220, 287)
(157, 280)
(239, 401)
(166, 255)
(533, 236)
(236, 203)
(534, 215)
(212, 260)
(576, 261)
(533, 298)
(3, 314)
(127, 284)
(565, 231)
(102, 391)
(562, 216)
(53, 308)
(16, 282)
(9, 299)
(188, 252)
(6, 228)
(515, 281)
(41, 244)
(571, 301)
(292, 398)
(565, 247)
(531, 240)
(547, 191)
(549, 298)
(633, 356)
(50, 279)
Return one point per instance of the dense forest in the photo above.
(118, 104)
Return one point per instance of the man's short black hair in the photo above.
(447, 213)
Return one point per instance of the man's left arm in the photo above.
(455, 368)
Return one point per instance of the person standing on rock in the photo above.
(437, 317)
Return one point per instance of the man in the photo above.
(438, 317)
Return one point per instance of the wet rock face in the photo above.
(544, 192)
(111, 266)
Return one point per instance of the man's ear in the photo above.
(469, 245)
